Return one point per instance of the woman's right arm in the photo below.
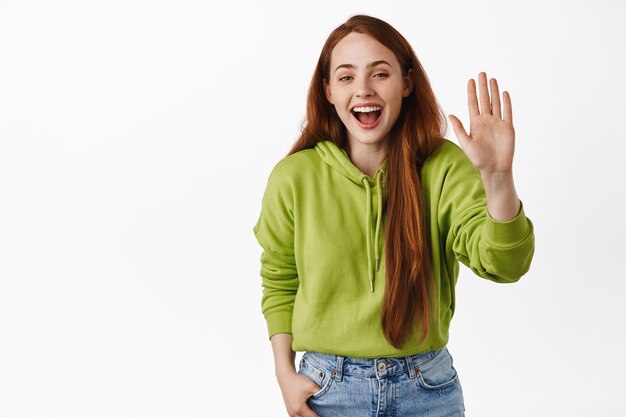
(274, 231)
(296, 388)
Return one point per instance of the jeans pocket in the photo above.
(318, 374)
(438, 373)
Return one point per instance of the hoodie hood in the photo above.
(338, 159)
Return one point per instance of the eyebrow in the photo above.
(371, 64)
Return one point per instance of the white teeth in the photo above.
(366, 109)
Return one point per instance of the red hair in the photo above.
(418, 131)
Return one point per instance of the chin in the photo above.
(369, 139)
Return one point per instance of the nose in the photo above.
(363, 87)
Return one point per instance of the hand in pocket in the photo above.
(296, 390)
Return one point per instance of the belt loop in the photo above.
(411, 366)
(339, 368)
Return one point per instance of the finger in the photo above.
(508, 109)
(307, 412)
(495, 98)
(315, 387)
(472, 100)
(485, 103)
(459, 129)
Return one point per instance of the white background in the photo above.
(136, 138)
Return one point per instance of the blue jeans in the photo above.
(425, 385)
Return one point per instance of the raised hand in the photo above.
(490, 143)
(490, 146)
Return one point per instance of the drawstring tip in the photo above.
(372, 286)
(377, 263)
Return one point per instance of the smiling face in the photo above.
(366, 86)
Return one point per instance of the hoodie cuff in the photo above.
(508, 233)
(279, 322)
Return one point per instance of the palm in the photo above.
(491, 142)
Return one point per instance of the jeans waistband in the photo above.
(339, 365)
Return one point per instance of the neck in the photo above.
(366, 157)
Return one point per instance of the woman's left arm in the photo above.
(490, 146)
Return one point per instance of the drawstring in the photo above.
(368, 224)
(378, 219)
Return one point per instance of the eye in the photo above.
(344, 78)
(384, 75)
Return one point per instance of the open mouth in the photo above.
(367, 117)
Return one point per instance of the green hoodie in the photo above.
(321, 228)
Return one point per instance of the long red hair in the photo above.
(419, 130)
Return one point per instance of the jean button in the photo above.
(381, 366)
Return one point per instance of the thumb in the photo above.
(307, 412)
(459, 130)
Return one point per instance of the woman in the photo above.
(363, 225)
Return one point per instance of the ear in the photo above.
(408, 83)
(329, 96)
